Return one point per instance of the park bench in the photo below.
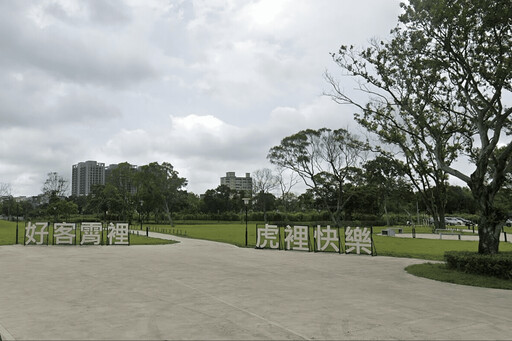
(391, 232)
(448, 232)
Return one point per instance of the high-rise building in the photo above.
(237, 183)
(85, 175)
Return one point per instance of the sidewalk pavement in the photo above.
(205, 290)
(448, 236)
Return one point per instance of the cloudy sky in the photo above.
(207, 85)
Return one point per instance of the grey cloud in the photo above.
(32, 100)
(97, 80)
(72, 55)
(109, 12)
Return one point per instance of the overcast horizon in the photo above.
(208, 86)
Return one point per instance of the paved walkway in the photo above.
(206, 290)
(448, 236)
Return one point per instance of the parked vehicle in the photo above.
(509, 222)
(466, 222)
(453, 221)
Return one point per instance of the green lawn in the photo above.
(440, 272)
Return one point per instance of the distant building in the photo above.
(86, 174)
(237, 183)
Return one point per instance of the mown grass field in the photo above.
(439, 272)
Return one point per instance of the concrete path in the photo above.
(473, 237)
(206, 290)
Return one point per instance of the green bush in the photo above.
(499, 265)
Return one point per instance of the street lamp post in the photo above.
(17, 219)
(140, 213)
(246, 202)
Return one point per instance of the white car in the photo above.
(453, 221)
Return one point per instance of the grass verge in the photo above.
(440, 272)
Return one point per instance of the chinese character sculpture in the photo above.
(270, 234)
(118, 234)
(91, 233)
(326, 237)
(296, 238)
(358, 239)
(64, 234)
(33, 230)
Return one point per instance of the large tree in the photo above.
(385, 178)
(264, 182)
(160, 188)
(444, 81)
(326, 160)
(55, 185)
(122, 178)
(286, 180)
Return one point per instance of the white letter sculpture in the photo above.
(118, 234)
(357, 239)
(31, 232)
(298, 236)
(325, 238)
(91, 233)
(268, 234)
(64, 234)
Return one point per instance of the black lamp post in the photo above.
(17, 215)
(246, 202)
(140, 213)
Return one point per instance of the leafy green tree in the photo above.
(122, 178)
(218, 200)
(81, 203)
(287, 200)
(264, 202)
(160, 188)
(191, 203)
(385, 178)
(460, 200)
(263, 182)
(105, 200)
(55, 185)
(442, 84)
(326, 160)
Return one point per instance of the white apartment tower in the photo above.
(86, 174)
(237, 183)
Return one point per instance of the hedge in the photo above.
(498, 265)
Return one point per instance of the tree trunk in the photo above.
(386, 210)
(168, 213)
(489, 230)
(265, 209)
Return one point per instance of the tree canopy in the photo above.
(326, 160)
(440, 90)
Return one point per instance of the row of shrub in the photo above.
(307, 217)
(498, 265)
